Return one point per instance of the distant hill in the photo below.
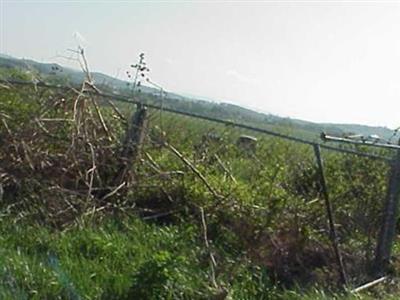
(53, 72)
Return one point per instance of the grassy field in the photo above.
(195, 216)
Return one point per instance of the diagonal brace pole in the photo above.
(329, 211)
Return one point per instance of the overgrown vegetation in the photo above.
(197, 216)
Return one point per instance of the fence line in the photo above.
(329, 138)
(386, 237)
(130, 100)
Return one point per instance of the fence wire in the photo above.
(263, 184)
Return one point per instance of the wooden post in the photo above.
(329, 212)
(135, 134)
(390, 212)
(133, 141)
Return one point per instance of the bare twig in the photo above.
(224, 168)
(193, 168)
(116, 110)
(91, 171)
(213, 263)
(369, 284)
(100, 116)
(114, 191)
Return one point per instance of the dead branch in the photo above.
(100, 116)
(113, 192)
(224, 168)
(213, 263)
(193, 168)
(369, 284)
(91, 171)
(116, 110)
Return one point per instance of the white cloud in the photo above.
(169, 61)
(243, 78)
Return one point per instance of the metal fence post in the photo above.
(390, 212)
(329, 212)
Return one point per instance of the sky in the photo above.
(332, 61)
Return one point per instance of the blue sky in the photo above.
(320, 61)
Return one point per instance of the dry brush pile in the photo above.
(59, 152)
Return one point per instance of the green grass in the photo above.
(128, 259)
(117, 260)
(111, 260)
